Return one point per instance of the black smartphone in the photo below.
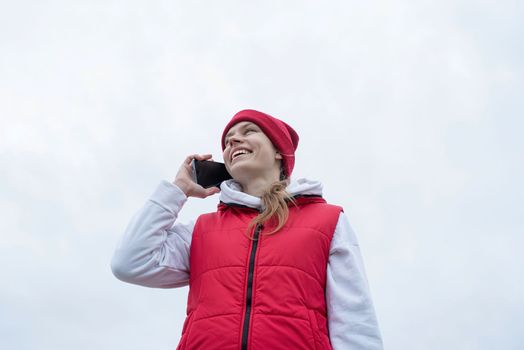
(208, 173)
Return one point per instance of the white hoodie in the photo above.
(154, 252)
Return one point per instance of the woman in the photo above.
(275, 267)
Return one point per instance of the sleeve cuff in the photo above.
(169, 196)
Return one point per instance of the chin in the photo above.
(239, 170)
(243, 171)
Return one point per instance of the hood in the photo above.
(230, 192)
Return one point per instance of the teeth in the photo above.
(240, 151)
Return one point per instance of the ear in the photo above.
(278, 156)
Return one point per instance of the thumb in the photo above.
(212, 190)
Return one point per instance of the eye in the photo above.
(246, 130)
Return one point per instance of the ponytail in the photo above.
(275, 201)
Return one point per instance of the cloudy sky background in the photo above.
(410, 113)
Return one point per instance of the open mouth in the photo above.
(240, 153)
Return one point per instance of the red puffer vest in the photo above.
(260, 294)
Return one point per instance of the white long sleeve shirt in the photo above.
(154, 252)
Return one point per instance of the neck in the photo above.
(257, 186)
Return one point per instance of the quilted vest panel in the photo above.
(262, 294)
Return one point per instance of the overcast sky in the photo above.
(409, 112)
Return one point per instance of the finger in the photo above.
(205, 156)
(190, 158)
(212, 190)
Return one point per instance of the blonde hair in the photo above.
(275, 201)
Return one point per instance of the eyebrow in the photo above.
(248, 124)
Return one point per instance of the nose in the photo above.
(233, 139)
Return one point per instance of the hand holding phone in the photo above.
(185, 178)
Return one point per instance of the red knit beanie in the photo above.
(283, 137)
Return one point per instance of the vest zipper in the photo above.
(249, 291)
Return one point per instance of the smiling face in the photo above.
(249, 153)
